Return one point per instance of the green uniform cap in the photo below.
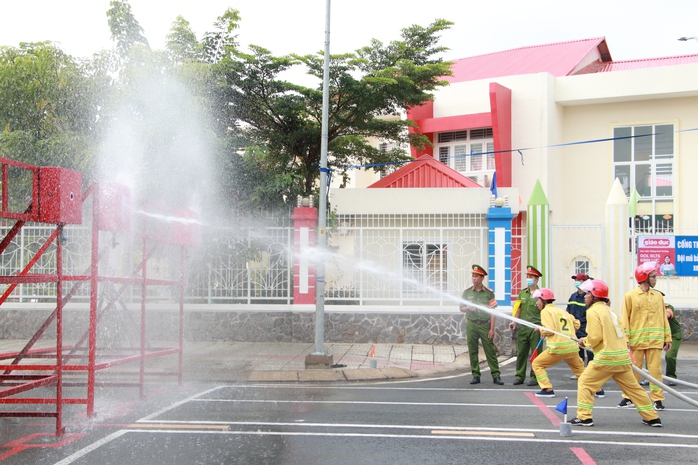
(532, 270)
(477, 269)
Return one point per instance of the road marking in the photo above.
(355, 402)
(483, 433)
(94, 446)
(177, 425)
(543, 408)
(583, 456)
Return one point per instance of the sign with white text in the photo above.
(687, 255)
(658, 249)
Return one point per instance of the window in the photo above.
(643, 160)
(581, 265)
(424, 267)
(468, 152)
(385, 170)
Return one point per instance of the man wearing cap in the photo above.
(480, 325)
(578, 309)
(527, 337)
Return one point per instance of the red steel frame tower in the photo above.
(57, 199)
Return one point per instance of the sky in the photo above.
(633, 28)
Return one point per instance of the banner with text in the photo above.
(687, 255)
(658, 249)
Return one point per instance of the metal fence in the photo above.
(378, 260)
(76, 248)
(243, 265)
(404, 259)
(373, 260)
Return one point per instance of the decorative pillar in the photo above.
(305, 220)
(538, 233)
(499, 219)
(617, 254)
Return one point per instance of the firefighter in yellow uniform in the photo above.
(559, 347)
(647, 328)
(606, 337)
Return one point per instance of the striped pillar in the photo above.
(617, 253)
(304, 227)
(499, 253)
(538, 233)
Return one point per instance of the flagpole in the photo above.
(565, 428)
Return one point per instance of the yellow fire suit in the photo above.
(558, 347)
(647, 328)
(611, 360)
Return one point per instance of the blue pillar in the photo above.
(499, 253)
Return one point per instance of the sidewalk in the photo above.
(285, 362)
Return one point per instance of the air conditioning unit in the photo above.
(484, 179)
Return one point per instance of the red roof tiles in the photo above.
(425, 172)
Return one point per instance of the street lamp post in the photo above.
(318, 358)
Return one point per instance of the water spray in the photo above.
(373, 268)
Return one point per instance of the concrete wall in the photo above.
(351, 326)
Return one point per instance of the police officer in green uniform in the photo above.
(480, 326)
(527, 337)
(676, 337)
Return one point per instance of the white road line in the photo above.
(375, 387)
(179, 403)
(415, 404)
(359, 402)
(414, 436)
(428, 427)
(94, 446)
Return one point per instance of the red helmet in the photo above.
(597, 288)
(543, 293)
(642, 272)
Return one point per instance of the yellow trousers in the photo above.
(653, 357)
(595, 376)
(546, 360)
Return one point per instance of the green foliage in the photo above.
(124, 27)
(219, 42)
(369, 90)
(257, 183)
(49, 106)
(264, 131)
(182, 44)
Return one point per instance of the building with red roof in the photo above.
(566, 116)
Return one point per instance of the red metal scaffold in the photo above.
(57, 199)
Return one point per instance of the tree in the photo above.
(182, 44)
(49, 106)
(222, 40)
(124, 27)
(367, 88)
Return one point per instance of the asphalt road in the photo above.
(439, 421)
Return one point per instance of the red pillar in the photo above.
(304, 227)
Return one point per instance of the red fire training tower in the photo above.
(57, 198)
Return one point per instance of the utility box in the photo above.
(115, 207)
(60, 196)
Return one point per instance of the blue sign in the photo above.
(686, 255)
